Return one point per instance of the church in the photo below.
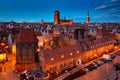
(57, 19)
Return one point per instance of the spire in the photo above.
(88, 18)
(88, 14)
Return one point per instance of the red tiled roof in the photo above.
(51, 31)
(49, 54)
(26, 36)
(59, 52)
(14, 37)
(38, 33)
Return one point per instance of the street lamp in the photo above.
(107, 51)
(115, 47)
(107, 72)
(62, 56)
(52, 59)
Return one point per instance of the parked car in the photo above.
(118, 53)
(95, 64)
(112, 56)
(90, 67)
(107, 57)
(100, 62)
(23, 76)
(117, 66)
(103, 60)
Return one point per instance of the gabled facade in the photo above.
(26, 47)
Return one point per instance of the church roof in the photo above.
(26, 36)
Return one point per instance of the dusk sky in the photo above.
(35, 10)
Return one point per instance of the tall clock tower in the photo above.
(88, 18)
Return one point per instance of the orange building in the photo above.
(66, 57)
(57, 19)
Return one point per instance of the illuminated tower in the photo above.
(56, 17)
(88, 19)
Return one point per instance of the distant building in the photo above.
(102, 33)
(117, 35)
(57, 19)
(88, 18)
(42, 21)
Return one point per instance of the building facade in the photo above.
(59, 59)
(57, 19)
(26, 48)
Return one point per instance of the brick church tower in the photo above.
(56, 17)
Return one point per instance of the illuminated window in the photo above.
(78, 52)
(52, 59)
(71, 54)
(62, 56)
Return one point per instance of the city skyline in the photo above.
(36, 10)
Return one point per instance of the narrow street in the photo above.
(104, 72)
(9, 75)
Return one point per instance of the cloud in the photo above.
(78, 17)
(101, 7)
(114, 0)
(112, 8)
(108, 6)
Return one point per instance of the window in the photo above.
(50, 68)
(78, 52)
(62, 56)
(61, 65)
(52, 59)
(0, 69)
(71, 63)
(64, 64)
(55, 67)
(71, 54)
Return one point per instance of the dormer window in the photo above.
(78, 52)
(52, 59)
(71, 54)
(62, 56)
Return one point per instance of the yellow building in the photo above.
(2, 57)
